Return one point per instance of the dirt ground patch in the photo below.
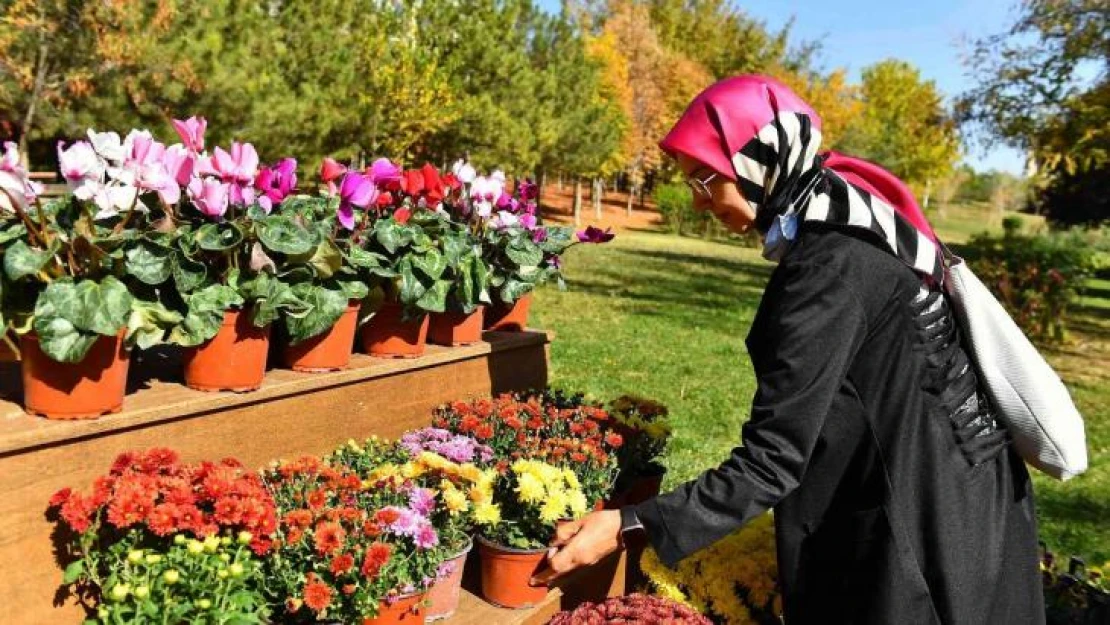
(557, 207)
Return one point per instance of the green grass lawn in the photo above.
(666, 317)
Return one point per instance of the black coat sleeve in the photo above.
(808, 329)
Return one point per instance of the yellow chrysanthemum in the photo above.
(554, 507)
(469, 472)
(487, 513)
(577, 503)
(385, 471)
(571, 479)
(455, 501)
(529, 488)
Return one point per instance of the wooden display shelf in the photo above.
(473, 610)
(291, 415)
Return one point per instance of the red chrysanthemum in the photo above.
(342, 563)
(317, 499)
(190, 517)
(228, 511)
(76, 512)
(484, 432)
(60, 497)
(376, 557)
(317, 596)
(163, 519)
(328, 537)
(614, 439)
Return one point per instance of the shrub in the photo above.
(676, 205)
(1035, 276)
(1076, 595)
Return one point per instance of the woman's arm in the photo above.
(809, 327)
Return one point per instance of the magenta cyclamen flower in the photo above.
(357, 190)
(528, 190)
(383, 171)
(191, 132)
(595, 235)
(276, 183)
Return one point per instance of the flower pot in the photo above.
(456, 328)
(78, 390)
(328, 351)
(506, 573)
(406, 610)
(510, 317)
(444, 593)
(233, 360)
(389, 336)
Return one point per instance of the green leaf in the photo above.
(149, 323)
(188, 274)
(512, 290)
(149, 262)
(21, 261)
(388, 235)
(411, 288)
(282, 234)
(324, 308)
(102, 308)
(60, 339)
(271, 297)
(219, 237)
(73, 572)
(205, 314)
(326, 260)
(353, 289)
(431, 263)
(435, 298)
(524, 253)
(12, 232)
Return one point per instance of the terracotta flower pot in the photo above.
(79, 390)
(233, 360)
(456, 328)
(328, 351)
(444, 593)
(506, 573)
(388, 335)
(407, 610)
(510, 317)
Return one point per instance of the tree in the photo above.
(832, 96)
(904, 125)
(1030, 95)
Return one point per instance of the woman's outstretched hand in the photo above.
(581, 543)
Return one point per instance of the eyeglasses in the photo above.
(700, 186)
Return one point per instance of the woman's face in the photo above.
(724, 200)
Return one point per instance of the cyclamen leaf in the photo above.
(326, 260)
(324, 308)
(411, 288)
(188, 274)
(271, 297)
(435, 298)
(20, 260)
(11, 233)
(281, 234)
(260, 261)
(524, 253)
(432, 263)
(149, 323)
(219, 237)
(149, 263)
(104, 308)
(353, 289)
(61, 340)
(205, 314)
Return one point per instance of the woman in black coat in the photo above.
(897, 496)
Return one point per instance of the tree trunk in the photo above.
(577, 202)
(928, 188)
(631, 197)
(560, 181)
(36, 93)
(599, 189)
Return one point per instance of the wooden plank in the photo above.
(475, 611)
(293, 414)
(155, 393)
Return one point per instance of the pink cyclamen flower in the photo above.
(191, 132)
(528, 221)
(240, 165)
(595, 235)
(276, 183)
(210, 196)
(384, 172)
(78, 163)
(357, 190)
(16, 188)
(179, 163)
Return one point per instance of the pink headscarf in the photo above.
(722, 122)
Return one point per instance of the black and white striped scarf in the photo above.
(780, 173)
